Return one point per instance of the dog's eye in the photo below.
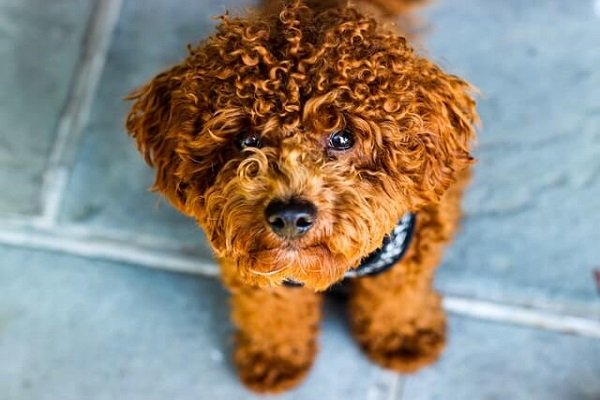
(341, 140)
(248, 140)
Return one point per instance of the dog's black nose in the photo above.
(290, 219)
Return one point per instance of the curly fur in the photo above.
(293, 73)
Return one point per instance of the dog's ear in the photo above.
(447, 129)
(154, 124)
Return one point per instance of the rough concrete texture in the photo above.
(73, 329)
(532, 212)
(40, 43)
(498, 362)
(109, 184)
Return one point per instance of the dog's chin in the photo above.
(314, 267)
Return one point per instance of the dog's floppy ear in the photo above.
(154, 124)
(448, 118)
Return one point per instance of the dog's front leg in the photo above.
(276, 339)
(399, 328)
(397, 316)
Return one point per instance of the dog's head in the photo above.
(297, 141)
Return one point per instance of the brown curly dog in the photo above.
(298, 137)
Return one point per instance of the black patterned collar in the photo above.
(392, 250)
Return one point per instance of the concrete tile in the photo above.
(73, 329)
(495, 362)
(39, 48)
(532, 211)
(109, 183)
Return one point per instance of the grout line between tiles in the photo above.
(385, 386)
(515, 315)
(77, 107)
(109, 249)
(397, 387)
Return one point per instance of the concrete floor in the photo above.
(81, 317)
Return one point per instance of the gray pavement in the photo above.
(533, 211)
(82, 318)
(39, 48)
(74, 328)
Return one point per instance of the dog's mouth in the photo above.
(287, 256)
(314, 266)
(287, 248)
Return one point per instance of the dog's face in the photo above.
(298, 141)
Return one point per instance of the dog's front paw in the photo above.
(271, 371)
(399, 330)
(405, 351)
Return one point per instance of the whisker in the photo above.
(268, 273)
